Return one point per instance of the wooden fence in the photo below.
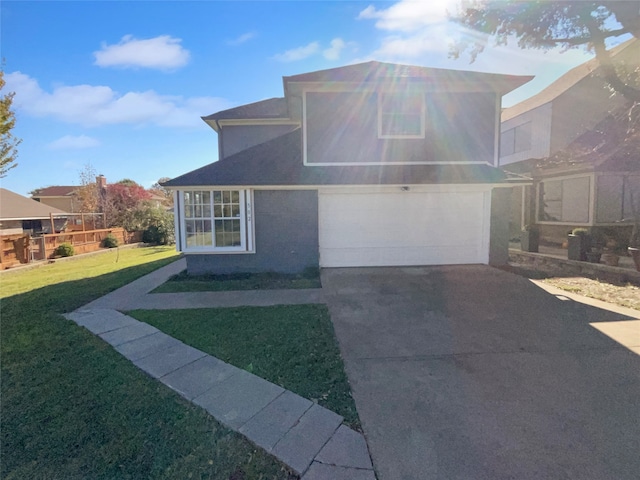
(18, 249)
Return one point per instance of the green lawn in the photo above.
(73, 408)
(183, 282)
(291, 345)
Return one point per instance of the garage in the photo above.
(404, 226)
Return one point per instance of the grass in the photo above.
(73, 408)
(291, 345)
(183, 282)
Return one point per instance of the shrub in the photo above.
(110, 241)
(64, 250)
(160, 229)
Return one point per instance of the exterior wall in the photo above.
(235, 138)
(65, 204)
(499, 229)
(286, 237)
(579, 109)
(540, 119)
(342, 127)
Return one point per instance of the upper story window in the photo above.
(216, 220)
(401, 115)
(515, 140)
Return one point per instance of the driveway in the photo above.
(473, 373)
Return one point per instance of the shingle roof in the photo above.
(380, 71)
(270, 108)
(279, 162)
(562, 84)
(17, 207)
(56, 191)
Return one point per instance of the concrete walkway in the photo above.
(305, 436)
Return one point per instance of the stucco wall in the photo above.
(286, 237)
(540, 119)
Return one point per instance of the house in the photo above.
(374, 164)
(19, 214)
(65, 197)
(548, 122)
(594, 182)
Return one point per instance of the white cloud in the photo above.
(334, 51)
(408, 15)
(70, 142)
(245, 37)
(299, 53)
(163, 53)
(92, 106)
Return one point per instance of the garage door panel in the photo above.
(401, 228)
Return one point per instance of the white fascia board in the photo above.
(257, 122)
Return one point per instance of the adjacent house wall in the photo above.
(342, 127)
(66, 204)
(235, 138)
(286, 237)
(540, 119)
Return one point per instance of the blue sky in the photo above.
(122, 85)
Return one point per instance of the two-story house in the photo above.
(373, 164)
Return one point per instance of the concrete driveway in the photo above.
(473, 373)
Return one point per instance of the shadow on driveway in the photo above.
(469, 372)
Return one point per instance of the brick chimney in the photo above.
(101, 181)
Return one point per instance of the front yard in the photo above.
(73, 408)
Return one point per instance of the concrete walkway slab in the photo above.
(166, 361)
(275, 420)
(196, 378)
(100, 321)
(238, 398)
(128, 333)
(143, 347)
(320, 471)
(346, 449)
(302, 443)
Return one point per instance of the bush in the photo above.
(160, 229)
(110, 241)
(64, 250)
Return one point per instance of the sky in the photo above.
(120, 86)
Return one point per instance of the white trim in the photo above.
(347, 186)
(369, 164)
(257, 122)
(497, 133)
(423, 118)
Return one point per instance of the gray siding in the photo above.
(286, 232)
(234, 139)
(499, 229)
(343, 127)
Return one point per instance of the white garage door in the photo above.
(403, 228)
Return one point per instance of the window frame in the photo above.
(245, 217)
(590, 200)
(381, 113)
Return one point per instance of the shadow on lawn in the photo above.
(72, 407)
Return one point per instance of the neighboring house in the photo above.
(374, 164)
(549, 122)
(593, 182)
(19, 214)
(58, 196)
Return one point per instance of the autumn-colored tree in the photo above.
(548, 24)
(122, 203)
(8, 142)
(88, 193)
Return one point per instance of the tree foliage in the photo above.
(8, 142)
(122, 203)
(162, 191)
(88, 194)
(548, 24)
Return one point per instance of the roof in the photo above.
(379, 72)
(279, 162)
(17, 207)
(612, 145)
(270, 108)
(55, 191)
(562, 84)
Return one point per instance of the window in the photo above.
(614, 197)
(216, 220)
(401, 115)
(564, 200)
(515, 140)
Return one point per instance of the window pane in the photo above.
(236, 239)
(575, 200)
(631, 192)
(609, 198)
(206, 197)
(217, 211)
(235, 196)
(235, 211)
(217, 197)
(227, 210)
(226, 197)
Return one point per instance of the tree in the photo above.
(88, 194)
(548, 24)
(123, 201)
(8, 142)
(162, 191)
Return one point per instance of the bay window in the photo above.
(216, 220)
